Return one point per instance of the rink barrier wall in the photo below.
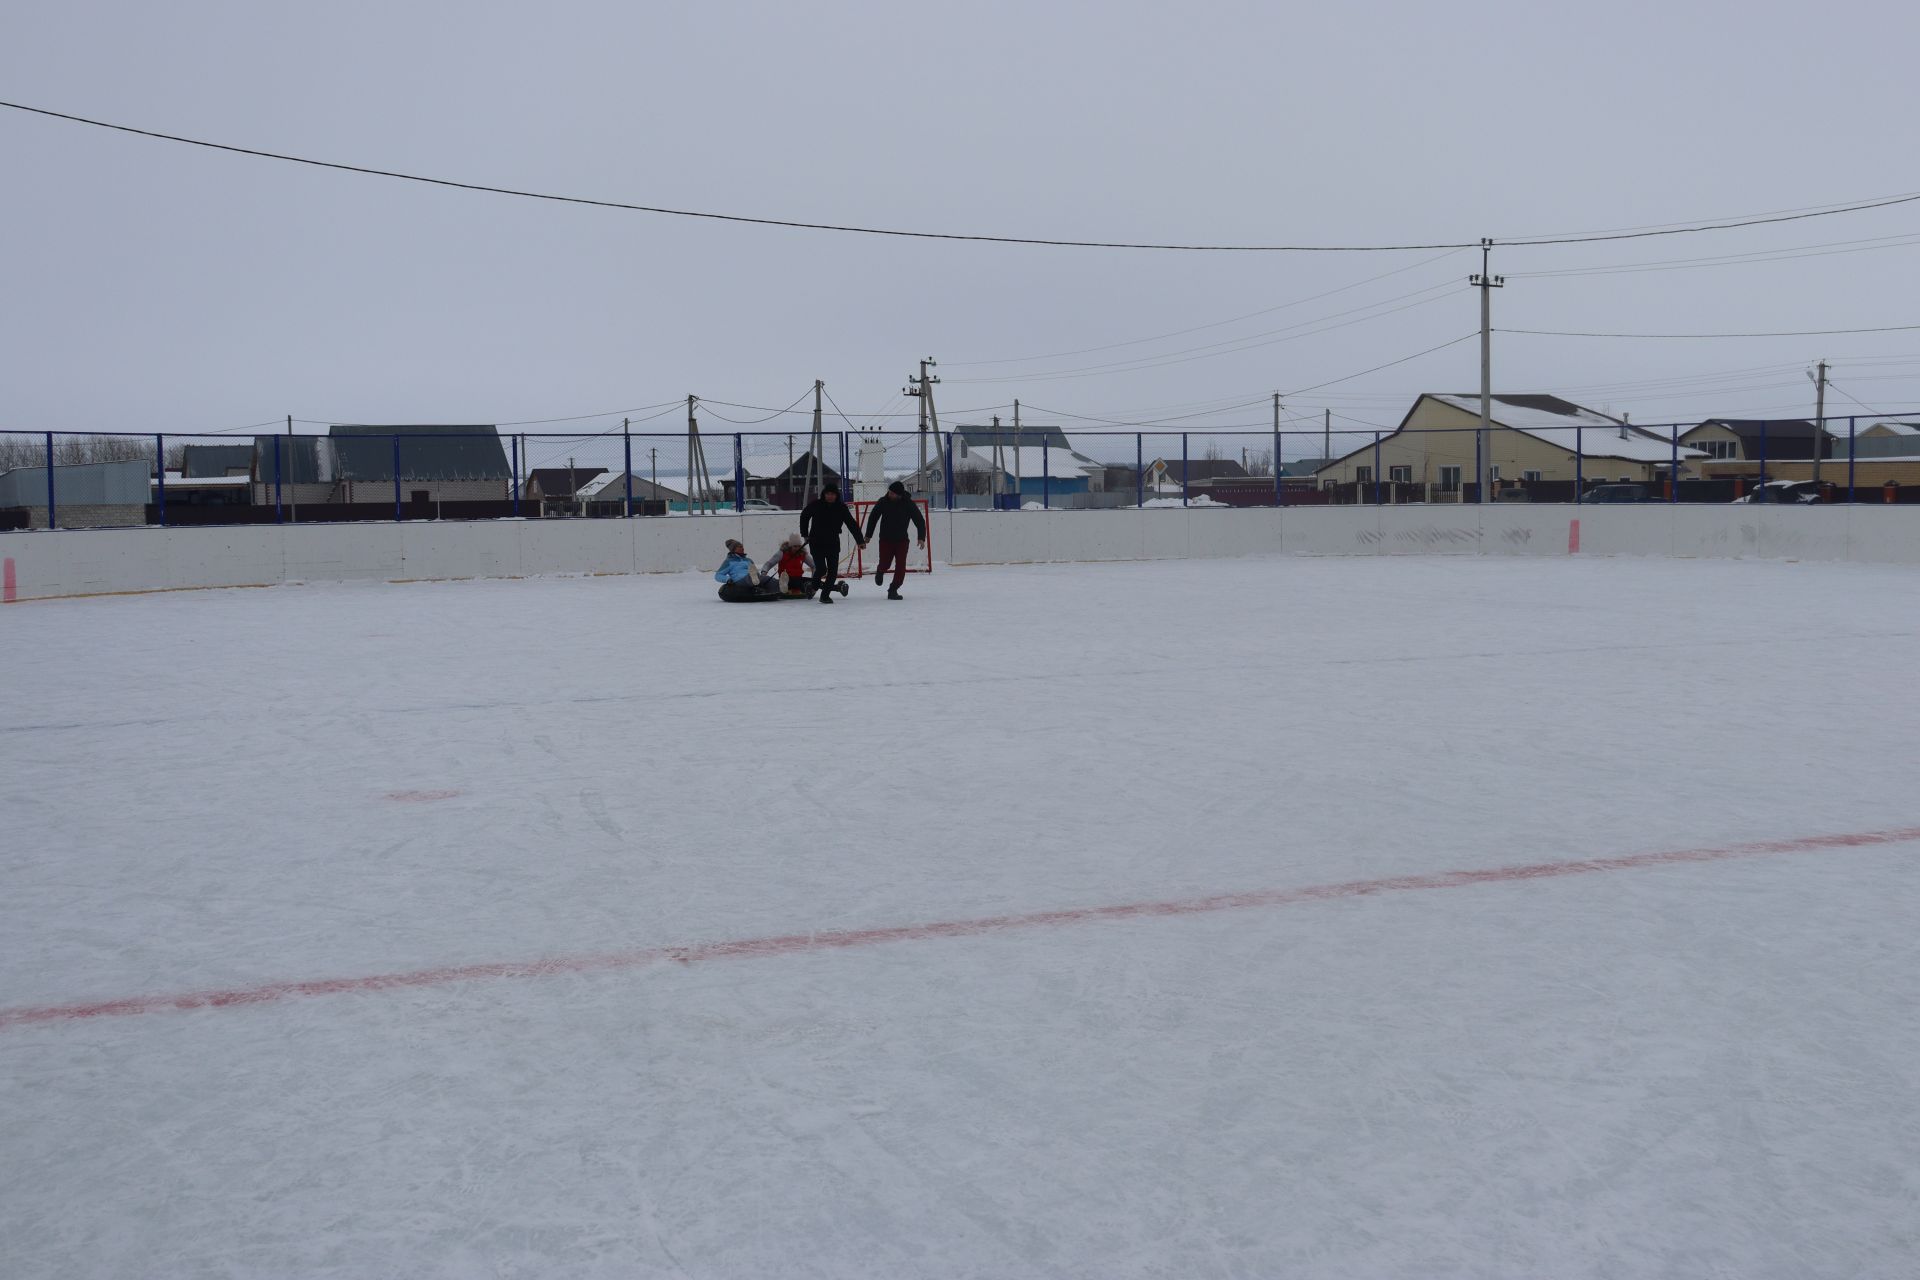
(83, 562)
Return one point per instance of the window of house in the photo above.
(1363, 475)
(1493, 473)
(1450, 479)
(1530, 475)
(1400, 475)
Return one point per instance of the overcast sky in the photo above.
(151, 286)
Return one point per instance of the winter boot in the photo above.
(878, 574)
(841, 587)
(893, 593)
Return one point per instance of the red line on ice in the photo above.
(9, 583)
(793, 943)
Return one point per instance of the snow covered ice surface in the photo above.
(1672, 1069)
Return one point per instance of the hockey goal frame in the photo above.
(866, 559)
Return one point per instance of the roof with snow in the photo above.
(612, 487)
(1570, 426)
(560, 482)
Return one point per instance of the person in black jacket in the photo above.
(892, 515)
(820, 524)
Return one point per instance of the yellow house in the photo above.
(1532, 437)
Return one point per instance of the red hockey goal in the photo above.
(864, 560)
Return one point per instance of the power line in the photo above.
(1793, 333)
(1827, 250)
(1216, 324)
(1669, 230)
(1233, 346)
(1451, 342)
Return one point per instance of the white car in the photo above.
(757, 504)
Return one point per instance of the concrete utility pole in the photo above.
(921, 388)
(1486, 283)
(999, 460)
(1019, 490)
(1276, 433)
(654, 458)
(1819, 419)
(1326, 435)
(816, 451)
(294, 494)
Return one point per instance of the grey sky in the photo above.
(156, 287)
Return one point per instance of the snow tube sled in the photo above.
(749, 593)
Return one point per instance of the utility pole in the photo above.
(1276, 435)
(653, 458)
(999, 458)
(294, 494)
(922, 389)
(1019, 490)
(1326, 435)
(816, 449)
(1486, 282)
(1820, 419)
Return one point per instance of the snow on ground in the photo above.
(1699, 1068)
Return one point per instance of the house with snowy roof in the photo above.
(1530, 437)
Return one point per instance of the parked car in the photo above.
(757, 504)
(1618, 493)
(1791, 491)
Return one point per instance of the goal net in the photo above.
(861, 561)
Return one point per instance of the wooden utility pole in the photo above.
(1486, 282)
(1819, 419)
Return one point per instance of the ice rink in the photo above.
(1063, 920)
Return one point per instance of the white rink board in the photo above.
(761, 853)
(92, 562)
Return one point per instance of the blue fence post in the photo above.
(1046, 474)
(739, 476)
(1185, 466)
(396, 477)
(1579, 466)
(949, 470)
(844, 480)
(1851, 422)
(1763, 453)
(1673, 471)
(514, 441)
(279, 511)
(160, 468)
(53, 510)
(626, 440)
(1376, 467)
(1139, 470)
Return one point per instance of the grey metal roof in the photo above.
(1030, 437)
(203, 461)
(299, 460)
(427, 452)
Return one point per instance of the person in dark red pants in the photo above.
(892, 515)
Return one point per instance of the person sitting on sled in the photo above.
(795, 568)
(791, 564)
(740, 578)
